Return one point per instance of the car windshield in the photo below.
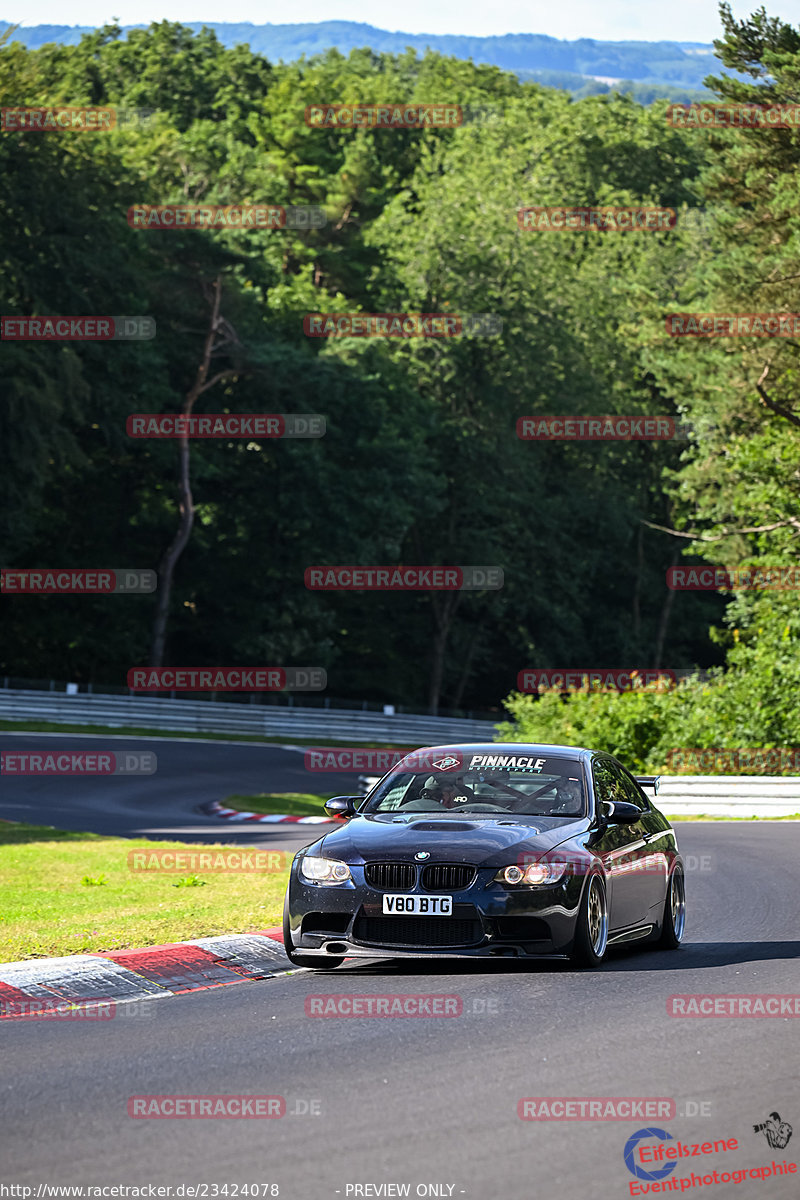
(526, 785)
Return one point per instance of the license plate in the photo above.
(418, 906)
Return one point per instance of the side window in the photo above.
(631, 791)
(607, 784)
(612, 782)
(397, 795)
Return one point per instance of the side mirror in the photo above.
(342, 807)
(620, 812)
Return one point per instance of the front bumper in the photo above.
(489, 920)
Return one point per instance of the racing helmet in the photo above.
(437, 783)
(569, 795)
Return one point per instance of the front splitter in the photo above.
(491, 952)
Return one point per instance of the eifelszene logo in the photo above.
(642, 1135)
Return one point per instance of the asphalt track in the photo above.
(164, 805)
(433, 1100)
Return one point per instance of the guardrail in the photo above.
(728, 795)
(262, 720)
(712, 795)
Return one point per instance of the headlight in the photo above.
(324, 870)
(539, 872)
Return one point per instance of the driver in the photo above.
(447, 790)
(569, 797)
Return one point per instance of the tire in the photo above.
(591, 932)
(674, 921)
(305, 960)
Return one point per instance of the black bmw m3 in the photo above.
(509, 849)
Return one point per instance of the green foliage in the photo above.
(750, 705)
(420, 463)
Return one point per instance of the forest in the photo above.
(420, 462)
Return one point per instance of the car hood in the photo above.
(485, 840)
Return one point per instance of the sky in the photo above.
(611, 20)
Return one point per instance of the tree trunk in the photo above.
(666, 611)
(202, 383)
(465, 671)
(637, 592)
(444, 609)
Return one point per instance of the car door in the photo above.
(658, 837)
(623, 849)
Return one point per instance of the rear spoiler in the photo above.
(648, 781)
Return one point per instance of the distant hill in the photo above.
(664, 68)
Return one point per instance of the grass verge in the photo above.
(291, 804)
(71, 893)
